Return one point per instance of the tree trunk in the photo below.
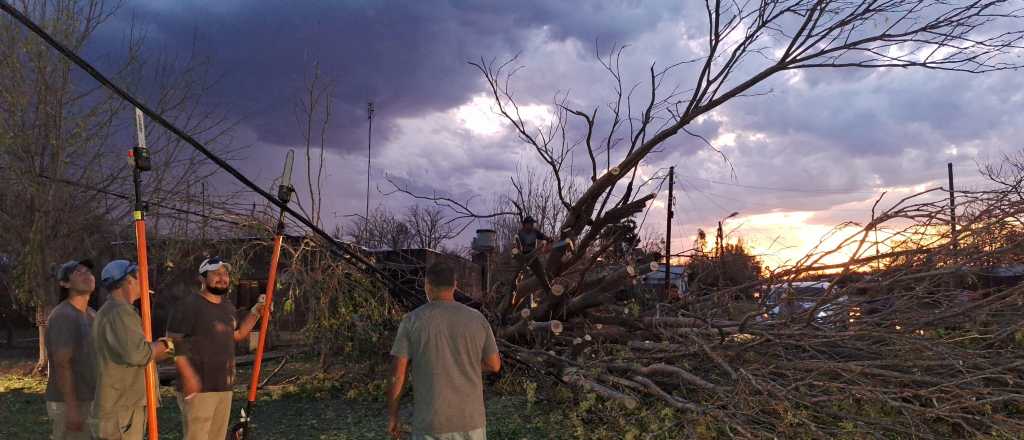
(41, 314)
(9, 327)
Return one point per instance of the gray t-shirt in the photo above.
(445, 343)
(69, 330)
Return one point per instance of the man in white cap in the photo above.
(71, 381)
(122, 353)
(207, 321)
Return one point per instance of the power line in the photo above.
(770, 188)
(337, 247)
(127, 197)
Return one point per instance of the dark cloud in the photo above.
(409, 57)
(822, 140)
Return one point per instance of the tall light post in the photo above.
(720, 241)
(369, 151)
(719, 238)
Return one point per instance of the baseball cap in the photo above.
(65, 270)
(529, 219)
(116, 271)
(213, 263)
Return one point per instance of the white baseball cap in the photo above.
(213, 263)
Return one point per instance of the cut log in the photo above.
(667, 370)
(574, 377)
(554, 327)
(656, 391)
(688, 323)
(660, 346)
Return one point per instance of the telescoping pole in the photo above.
(284, 193)
(139, 158)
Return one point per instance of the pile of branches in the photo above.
(904, 340)
(911, 334)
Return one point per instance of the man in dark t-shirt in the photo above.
(207, 320)
(530, 243)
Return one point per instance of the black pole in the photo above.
(718, 240)
(668, 233)
(369, 154)
(954, 240)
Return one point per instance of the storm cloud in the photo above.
(824, 141)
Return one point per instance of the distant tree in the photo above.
(736, 267)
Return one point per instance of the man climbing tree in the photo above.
(526, 241)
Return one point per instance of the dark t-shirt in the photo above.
(528, 239)
(69, 330)
(210, 330)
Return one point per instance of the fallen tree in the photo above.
(898, 351)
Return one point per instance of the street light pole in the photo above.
(719, 236)
(720, 242)
(668, 233)
(369, 152)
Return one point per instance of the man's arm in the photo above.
(250, 320)
(246, 327)
(190, 383)
(491, 364)
(490, 358)
(126, 339)
(60, 363)
(399, 365)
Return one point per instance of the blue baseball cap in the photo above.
(116, 271)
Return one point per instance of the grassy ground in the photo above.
(340, 406)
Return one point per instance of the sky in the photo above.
(813, 149)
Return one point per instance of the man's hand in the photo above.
(398, 368)
(257, 309)
(190, 385)
(73, 420)
(394, 424)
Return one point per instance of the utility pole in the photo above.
(369, 151)
(952, 209)
(202, 209)
(718, 241)
(668, 232)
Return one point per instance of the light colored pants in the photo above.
(128, 423)
(57, 412)
(476, 434)
(205, 416)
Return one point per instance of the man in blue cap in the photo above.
(71, 381)
(122, 352)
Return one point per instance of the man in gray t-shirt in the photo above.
(449, 346)
(71, 382)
